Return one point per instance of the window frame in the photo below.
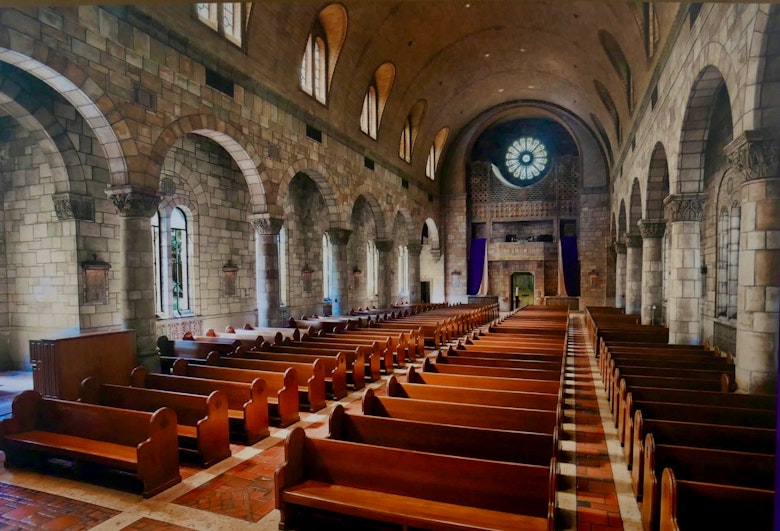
(216, 20)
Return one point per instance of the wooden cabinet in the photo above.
(59, 364)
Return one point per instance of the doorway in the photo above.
(425, 291)
(522, 289)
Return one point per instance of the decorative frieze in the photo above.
(72, 206)
(755, 155)
(652, 229)
(684, 207)
(265, 224)
(134, 202)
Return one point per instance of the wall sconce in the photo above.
(95, 280)
(306, 273)
(593, 276)
(455, 278)
(229, 278)
(356, 274)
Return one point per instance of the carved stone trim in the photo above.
(73, 206)
(384, 246)
(633, 241)
(755, 155)
(414, 248)
(265, 224)
(134, 203)
(339, 236)
(436, 254)
(684, 208)
(652, 229)
(620, 248)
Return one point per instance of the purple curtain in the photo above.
(476, 264)
(570, 265)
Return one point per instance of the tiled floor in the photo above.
(237, 493)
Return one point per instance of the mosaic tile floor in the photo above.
(237, 493)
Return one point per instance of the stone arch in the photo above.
(403, 224)
(376, 209)
(228, 137)
(83, 93)
(433, 234)
(185, 172)
(318, 173)
(635, 208)
(657, 183)
(764, 62)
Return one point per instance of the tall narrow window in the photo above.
(372, 269)
(722, 292)
(410, 129)
(403, 270)
(620, 64)
(435, 153)
(733, 273)
(376, 98)
(179, 261)
(282, 250)
(156, 242)
(322, 50)
(405, 148)
(326, 265)
(224, 18)
(652, 35)
(369, 114)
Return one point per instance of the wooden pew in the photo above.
(311, 376)
(484, 382)
(375, 352)
(403, 344)
(478, 416)
(282, 388)
(247, 403)
(356, 359)
(203, 428)
(697, 505)
(480, 443)
(419, 492)
(170, 350)
(725, 467)
(499, 362)
(496, 372)
(379, 347)
(466, 395)
(468, 352)
(335, 367)
(140, 443)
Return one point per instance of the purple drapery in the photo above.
(476, 264)
(570, 263)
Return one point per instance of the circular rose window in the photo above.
(527, 159)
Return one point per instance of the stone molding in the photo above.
(755, 155)
(633, 241)
(135, 202)
(651, 229)
(384, 246)
(620, 247)
(339, 236)
(684, 207)
(436, 254)
(265, 224)
(73, 206)
(414, 248)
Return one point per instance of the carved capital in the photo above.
(384, 246)
(755, 155)
(632, 240)
(134, 202)
(652, 229)
(611, 250)
(265, 224)
(684, 207)
(414, 248)
(73, 206)
(436, 254)
(620, 248)
(339, 236)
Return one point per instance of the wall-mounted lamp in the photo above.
(356, 274)
(306, 274)
(593, 276)
(229, 279)
(455, 278)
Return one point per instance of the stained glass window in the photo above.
(527, 158)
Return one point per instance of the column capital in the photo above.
(265, 224)
(633, 241)
(414, 247)
(384, 246)
(684, 207)
(133, 202)
(652, 229)
(74, 206)
(620, 247)
(339, 236)
(436, 254)
(755, 155)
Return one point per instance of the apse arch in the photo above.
(657, 184)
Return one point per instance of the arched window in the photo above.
(651, 31)
(620, 64)
(322, 50)
(326, 263)
(282, 250)
(180, 277)
(722, 291)
(609, 104)
(435, 152)
(733, 272)
(410, 129)
(403, 270)
(372, 269)
(368, 115)
(159, 306)
(226, 18)
(376, 97)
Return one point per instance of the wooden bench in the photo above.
(311, 376)
(725, 467)
(467, 352)
(484, 382)
(335, 367)
(480, 443)
(418, 491)
(282, 388)
(698, 505)
(380, 346)
(356, 359)
(478, 416)
(247, 402)
(496, 372)
(171, 350)
(407, 341)
(202, 421)
(140, 443)
(376, 354)
(498, 362)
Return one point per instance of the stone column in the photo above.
(339, 273)
(620, 275)
(136, 207)
(414, 248)
(652, 232)
(755, 156)
(684, 307)
(633, 273)
(267, 268)
(385, 257)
